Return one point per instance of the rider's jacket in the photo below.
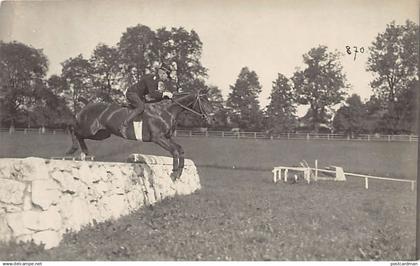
(148, 85)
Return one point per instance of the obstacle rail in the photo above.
(338, 175)
(40, 199)
(281, 172)
(367, 177)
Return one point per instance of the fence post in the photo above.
(389, 138)
(207, 133)
(25, 131)
(175, 133)
(190, 133)
(328, 136)
(368, 137)
(409, 138)
(307, 136)
(288, 135)
(366, 183)
(223, 134)
(255, 135)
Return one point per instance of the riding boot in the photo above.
(131, 116)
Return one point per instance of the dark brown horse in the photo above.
(99, 121)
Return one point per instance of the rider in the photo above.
(151, 85)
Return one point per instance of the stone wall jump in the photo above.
(41, 199)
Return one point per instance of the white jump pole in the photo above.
(316, 170)
(275, 174)
(366, 183)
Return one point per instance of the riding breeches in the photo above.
(135, 101)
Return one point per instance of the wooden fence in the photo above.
(294, 136)
(249, 135)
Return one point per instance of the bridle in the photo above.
(197, 100)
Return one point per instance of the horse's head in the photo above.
(198, 103)
(204, 106)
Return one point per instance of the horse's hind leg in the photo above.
(75, 145)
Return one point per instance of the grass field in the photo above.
(241, 214)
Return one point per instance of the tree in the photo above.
(243, 101)
(50, 110)
(77, 78)
(138, 50)
(106, 73)
(57, 113)
(216, 99)
(22, 70)
(407, 108)
(184, 48)
(281, 109)
(374, 113)
(350, 117)
(56, 84)
(321, 85)
(393, 59)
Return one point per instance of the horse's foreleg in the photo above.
(181, 157)
(169, 146)
(85, 150)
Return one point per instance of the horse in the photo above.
(98, 121)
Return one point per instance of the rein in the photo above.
(197, 99)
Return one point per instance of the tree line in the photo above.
(29, 99)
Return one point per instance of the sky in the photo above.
(267, 36)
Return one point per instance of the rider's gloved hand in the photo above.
(167, 94)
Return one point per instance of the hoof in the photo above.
(174, 176)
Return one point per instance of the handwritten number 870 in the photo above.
(355, 50)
